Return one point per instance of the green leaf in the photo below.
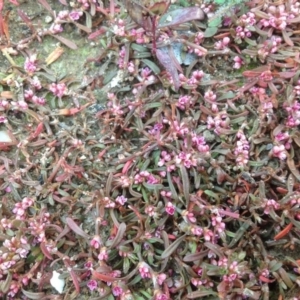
(215, 22)
(172, 247)
(210, 31)
(152, 66)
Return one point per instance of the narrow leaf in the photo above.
(172, 187)
(45, 251)
(167, 252)
(198, 294)
(292, 167)
(152, 66)
(214, 248)
(181, 15)
(5, 284)
(65, 41)
(47, 6)
(163, 56)
(120, 234)
(76, 228)
(186, 184)
(108, 184)
(54, 55)
(32, 295)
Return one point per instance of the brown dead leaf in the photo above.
(54, 55)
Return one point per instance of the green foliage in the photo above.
(225, 7)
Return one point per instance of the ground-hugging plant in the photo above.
(181, 186)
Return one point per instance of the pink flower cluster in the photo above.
(145, 176)
(108, 203)
(150, 210)
(219, 122)
(30, 65)
(96, 242)
(103, 253)
(170, 208)
(146, 77)
(241, 150)
(283, 138)
(279, 152)
(202, 282)
(222, 44)
(268, 47)
(155, 130)
(238, 62)
(20, 208)
(244, 24)
(196, 230)
(216, 222)
(139, 36)
(144, 270)
(297, 89)
(198, 142)
(19, 246)
(187, 159)
(119, 27)
(270, 204)
(184, 102)
(121, 200)
(197, 40)
(293, 110)
(279, 17)
(37, 229)
(211, 97)
(58, 89)
(194, 80)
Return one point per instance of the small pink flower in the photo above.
(161, 278)
(144, 270)
(36, 83)
(75, 15)
(28, 94)
(270, 204)
(3, 119)
(96, 242)
(220, 45)
(238, 62)
(30, 64)
(196, 230)
(62, 15)
(161, 296)
(170, 208)
(280, 152)
(38, 100)
(58, 89)
(103, 255)
(121, 200)
(117, 291)
(92, 285)
(150, 210)
(56, 28)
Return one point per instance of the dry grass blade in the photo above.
(54, 55)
